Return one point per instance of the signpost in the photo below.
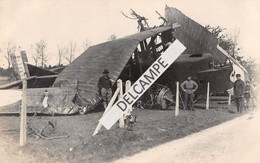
(99, 126)
(229, 98)
(18, 65)
(120, 85)
(23, 125)
(207, 101)
(142, 84)
(177, 99)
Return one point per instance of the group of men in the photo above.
(188, 86)
(241, 92)
(105, 90)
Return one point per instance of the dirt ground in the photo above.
(236, 141)
(153, 127)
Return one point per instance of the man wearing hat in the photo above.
(105, 87)
(239, 88)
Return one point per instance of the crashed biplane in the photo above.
(128, 57)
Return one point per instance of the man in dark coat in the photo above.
(247, 94)
(105, 87)
(239, 88)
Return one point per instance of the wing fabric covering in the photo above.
(194, 36)
(112, 55)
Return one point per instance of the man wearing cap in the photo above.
(189, 87)
(239, 88)
(105, 87)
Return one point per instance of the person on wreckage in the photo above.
(105, 88)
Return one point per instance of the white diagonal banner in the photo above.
(142, 84)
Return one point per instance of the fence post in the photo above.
(177, 99)
(229, 98)
(23, 124)
(120, 86)
(207, 101)
(127, 87)
(107, 108)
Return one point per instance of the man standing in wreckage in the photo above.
(105, 88)
(189, 87)
(239, 88)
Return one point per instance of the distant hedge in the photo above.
(6, 72)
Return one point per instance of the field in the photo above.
(153, 127)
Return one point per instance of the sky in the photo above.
(62, 21)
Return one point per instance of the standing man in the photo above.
(239, 88)
(247, 94)
(105, 88)
(189, 87)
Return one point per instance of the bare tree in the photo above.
(8, 49)
(61, 53)
(235, 48)
(112, 37)
(70, 55)
(250, 65)
(86, 45)
(227, 42)
(141, 20)
(40, 50)
(35, 56)
(162, 18)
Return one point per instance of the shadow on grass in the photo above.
(231, 111)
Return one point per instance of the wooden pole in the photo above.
(177, 99)
(127, 87)
(120, 86)
(229, 98)
(23, 116)
(99, 126)
(207, 101)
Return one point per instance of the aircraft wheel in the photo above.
(164, 104)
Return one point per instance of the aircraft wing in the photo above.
(15, 83)
(194, 36)
(217, 78)
(231, 58)
(32, 82)
(37, 71)
(112, 55)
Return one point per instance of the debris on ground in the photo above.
(45, 132)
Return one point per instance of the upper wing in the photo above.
(113, 55)
(194, 36)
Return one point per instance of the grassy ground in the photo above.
(153, 127)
